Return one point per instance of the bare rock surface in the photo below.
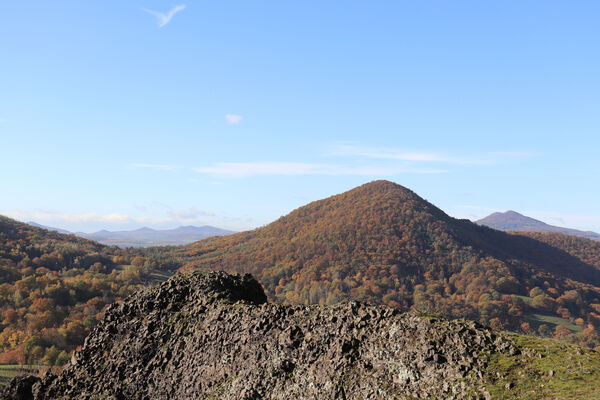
(214, 336)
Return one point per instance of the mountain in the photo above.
(145, 237)
(513, 221)
(379, 243)
(214, 336)
(64, 231)
(54, 288)
(383, 244)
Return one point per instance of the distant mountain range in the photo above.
(513, 221)
(146, 237)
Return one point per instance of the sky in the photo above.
(122, 114)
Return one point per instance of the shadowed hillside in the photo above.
(585, 249)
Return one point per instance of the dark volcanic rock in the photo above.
(213, 336)
(19, 388)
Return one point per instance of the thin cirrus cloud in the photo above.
(387, 154)
(163, 19)
(109, 219)
(271, 168)
(384, 153)
(233, 119)
(74, 218)
(190, 214)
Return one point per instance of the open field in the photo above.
(537, 319)
(7, 372)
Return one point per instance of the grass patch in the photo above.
(545, 369)
(7, 372)
(159, 276)
(526, 299)
(535, 320)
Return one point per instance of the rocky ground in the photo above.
(214, 336)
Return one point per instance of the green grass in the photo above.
(526, 299)
(536, 320)
(7, 372)
(546, 369)
(160, 276)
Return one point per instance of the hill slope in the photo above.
(383, 244)
(53, 290)
(513, 221)
(213, 336)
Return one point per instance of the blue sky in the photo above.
(120, 114)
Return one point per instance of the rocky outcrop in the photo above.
(20, 388)
(214, 336)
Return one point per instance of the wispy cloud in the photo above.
(576, 221)
(190, 214)
(110, 219)
(186, 214)
(160, 167)
(242, 170)
(163, 19)
(388, 154)
(233, 119)
(75, 218)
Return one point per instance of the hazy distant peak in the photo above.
(512, 214)
(144, 229)
(190, 228)
(514, 221)
(145, 236)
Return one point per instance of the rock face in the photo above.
(19, 388)
(214, 336)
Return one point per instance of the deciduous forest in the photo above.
(383, 244)
(54, 289)
(379, 243)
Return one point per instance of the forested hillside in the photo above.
(215, 336)
(53, 290)
(586, 250)
(381, 243)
